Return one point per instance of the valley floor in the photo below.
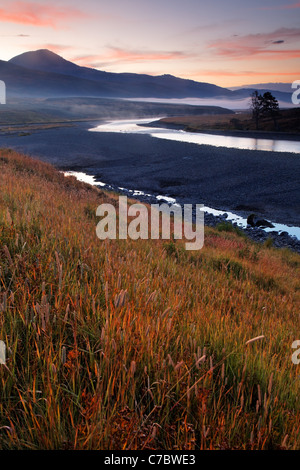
(242, 181)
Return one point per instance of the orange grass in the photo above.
(137, 344)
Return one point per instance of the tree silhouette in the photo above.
(256, 107)
(270, 107)
(263, 106)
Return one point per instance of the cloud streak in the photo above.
(29, 13)
(118, 55)
(245, 73)
(56, 48)
(259, 46)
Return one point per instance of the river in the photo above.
(135, 126)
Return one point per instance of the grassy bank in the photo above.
(288, 122)
(138, 344)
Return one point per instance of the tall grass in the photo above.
(123, 344)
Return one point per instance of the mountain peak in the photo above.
(44, 60)
(38, 54)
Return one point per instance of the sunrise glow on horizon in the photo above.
(229, 43)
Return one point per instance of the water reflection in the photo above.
(246, 143)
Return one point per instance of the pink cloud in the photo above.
(87, 60)
(138, 56)
(260, 46)
(29, 13)
(246, 73)
(56, 48)
(118, 55)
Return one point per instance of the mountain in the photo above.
(122, 85)
(279, 95)
(24, 82)
(281, 91)
(283, 87)
(43, 73)
(47, 61)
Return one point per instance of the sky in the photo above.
(226, 42)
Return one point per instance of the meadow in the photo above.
(123, 344)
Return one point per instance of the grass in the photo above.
(228, 227)
(288, 122)
(123, 344)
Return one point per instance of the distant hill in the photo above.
(43, 73)
(279, 95)
(281, 91)
(284, 87)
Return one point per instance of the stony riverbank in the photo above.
(257, 234)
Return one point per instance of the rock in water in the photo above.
(254, 221)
